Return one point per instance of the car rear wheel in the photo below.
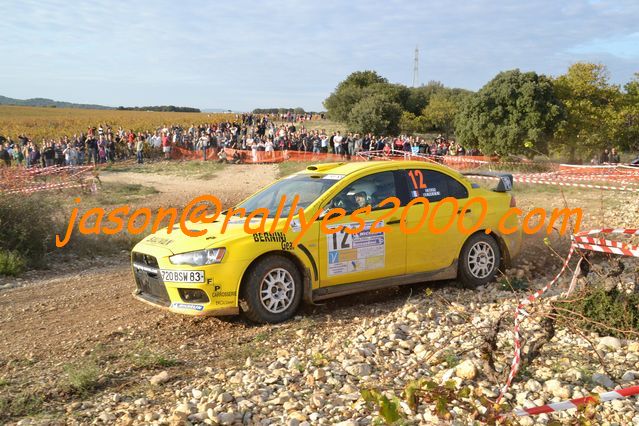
(272, 291)
(479, 261)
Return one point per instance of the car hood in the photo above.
(175, 240)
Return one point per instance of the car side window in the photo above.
(367, 191)
(456, 189)
(433, 185)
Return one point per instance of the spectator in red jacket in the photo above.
(166, 145)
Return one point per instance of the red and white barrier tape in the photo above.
(611, 172)
(520, 315)
(523, 179)
(578, 185)
(583, 241)
(43, 171)
(617, 179)
(63, 185)
(610, 249)
(609, 231)
(25, 180)
(578, 402)
(596, 166)
(580, 240)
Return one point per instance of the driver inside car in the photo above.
(361, 199)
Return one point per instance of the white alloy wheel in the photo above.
(481, 260)
(277, 290)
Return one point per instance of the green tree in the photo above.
(626, 132)
(377, 114)
(349, 92)
(410, 123)
(358, 91)
(514, 113)
(395, 92)
(442, 109)
(590, 102)
(418, 97)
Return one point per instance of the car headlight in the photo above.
(199, 258)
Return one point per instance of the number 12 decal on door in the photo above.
(417, 175)
(420, 188)
(341, 240)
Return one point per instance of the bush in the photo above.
(604, 312)
(377, 114)
(11, 263)
(27, 226)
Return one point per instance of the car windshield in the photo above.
(308, 187)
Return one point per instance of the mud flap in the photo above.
(307, 297)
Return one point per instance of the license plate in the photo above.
(182, 276)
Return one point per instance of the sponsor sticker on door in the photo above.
(355, 253)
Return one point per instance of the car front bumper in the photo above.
(214, 293)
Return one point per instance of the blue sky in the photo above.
(247, 54)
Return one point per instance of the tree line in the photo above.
(161, 108)
(516, 113)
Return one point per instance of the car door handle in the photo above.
(392, 222)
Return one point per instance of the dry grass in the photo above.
(38, 123)
(196, 169)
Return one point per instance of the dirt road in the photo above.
(75, 318)
(72, 319)
(65, 321)
(65, 318)
(229, 185)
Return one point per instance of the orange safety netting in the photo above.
(19, 179)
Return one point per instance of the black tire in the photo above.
(279, 276)
(478, 254)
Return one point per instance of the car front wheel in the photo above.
(479, 261)
(272, 291)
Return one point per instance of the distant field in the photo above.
(38, 123)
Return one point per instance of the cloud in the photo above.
(245, 53)
(625, 46)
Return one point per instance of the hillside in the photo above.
(44, 102)
(50, 103)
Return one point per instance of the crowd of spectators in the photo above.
(250, 132)
(295, 117)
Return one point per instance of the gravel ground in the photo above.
(77, 349)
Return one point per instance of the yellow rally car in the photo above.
(268, 277)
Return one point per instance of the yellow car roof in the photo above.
(347, 168)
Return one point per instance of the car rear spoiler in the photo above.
(505, 179)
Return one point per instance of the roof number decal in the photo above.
(333, 177)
